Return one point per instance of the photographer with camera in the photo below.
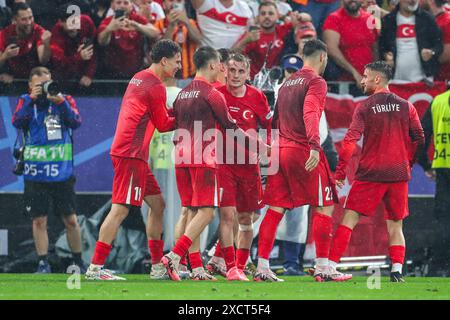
(47, 119)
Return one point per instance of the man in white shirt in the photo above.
(222, 22)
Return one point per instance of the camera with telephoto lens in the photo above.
(19, 167)
(50, 87)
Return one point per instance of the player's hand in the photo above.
(85, 81)
(427, 54)
(313, 160)
(86, 53)
(431, 174)
(11, 51)
(46, 37)
(36, 91)
(6, 78)
(340, 183)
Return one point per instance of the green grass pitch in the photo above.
(54, 286)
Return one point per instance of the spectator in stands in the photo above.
(73, 49)
(436, 8)
(318, 9)
(304, 32)
(283, 7)
(149, 9)
(47, 121)
(23, 45)
(46, 11)
(99, 10)
(410, 41)
(351, 43)
(266, 40)
(184, 31)
(5, 16)
(122, 37)
(222, 22)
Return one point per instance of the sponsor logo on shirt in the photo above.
(294, 82)
(136, 82)
(406, 31)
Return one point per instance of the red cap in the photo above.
(305, 29)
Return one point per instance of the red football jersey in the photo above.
(257, 50)
(250, 112)
(27, 59)
(388, 124)
(125, 53)
(66, 59)
(143, 108)
(300, 103)
(443, 21)
(199, 110)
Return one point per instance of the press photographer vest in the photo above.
(440, 111)
(48, 152)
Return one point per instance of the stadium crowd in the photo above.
(111, 39)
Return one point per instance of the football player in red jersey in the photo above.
(304, 176)
(143, 109)
(389, 124)
(199, 110)
(240, 184)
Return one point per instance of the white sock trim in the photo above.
(397, 267)
(263, 263)
(322, 262)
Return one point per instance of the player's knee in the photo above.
(245, 227)
(245, 219)
(40, 222)
(71, 222)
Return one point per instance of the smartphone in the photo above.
(119, 13)
(86, 42)
(178, 6)
(13, 41)
(253, 28)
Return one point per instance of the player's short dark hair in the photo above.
(224, 54)
(164, 48)
(314, 46)
(381, 67)
(266, 4)
(19, 7)
(38, 71)
(204, 55)
(239, 57)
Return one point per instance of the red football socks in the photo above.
(228, 255)
(322, 226)
(242, 257)
(267, 233)
(156, 248)
(195, 259)
(101, 253)
(340, 242)
(218, 251)
(182, 246)
(397, 254)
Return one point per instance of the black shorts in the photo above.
(41, 197)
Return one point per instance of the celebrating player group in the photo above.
(217, 149)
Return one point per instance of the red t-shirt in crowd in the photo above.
(300, 103)
(66, 60)
(443, 21)
(257, 50)
(124, 55)
(143, 108)
(21, 65)
(200, 110)
(389, 124)
(356, 39)
(250, 112)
